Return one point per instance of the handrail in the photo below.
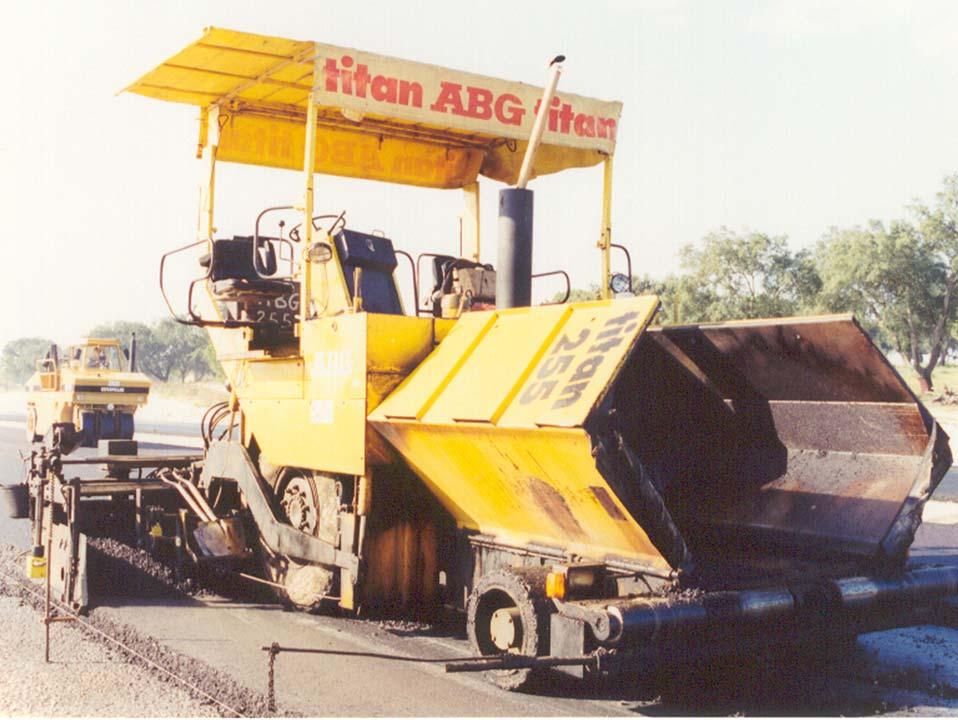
(193, 318)
(568, 284)
(419, 275)
(563, 273)
(203, 322)
(628, 260)
(166, 299)
(415, 278)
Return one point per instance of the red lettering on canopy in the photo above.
(332, 75)
(607, 128)
(385, 89)
(480, 103)
(348, 77)
(509, 114)
(410, 93)
(362, 78)
(584, 125)
(450, 94)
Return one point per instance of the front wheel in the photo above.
(508, 612)
(310, 503)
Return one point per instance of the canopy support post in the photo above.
(470, 222)
(605, 233)
(209, 141)
(309, 155)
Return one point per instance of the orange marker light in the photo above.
(555, 585)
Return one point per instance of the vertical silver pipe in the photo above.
(538, 127)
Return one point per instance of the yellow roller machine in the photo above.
(555, 471)
(89, 394)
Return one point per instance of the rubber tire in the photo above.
(323, 493)
(280, 478)
(526, 589)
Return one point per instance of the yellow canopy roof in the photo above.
(379, 118)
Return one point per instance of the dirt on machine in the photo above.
(592, 492)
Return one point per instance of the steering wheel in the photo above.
(337, 219)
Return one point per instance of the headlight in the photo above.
(619, 283)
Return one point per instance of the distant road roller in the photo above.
(88, 394)
(591, 491)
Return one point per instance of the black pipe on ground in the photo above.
(861, 604)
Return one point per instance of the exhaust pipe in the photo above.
(514, 271)
(133, 352)
(539, 126)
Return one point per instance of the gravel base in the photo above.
(100, 677)
(115, 569)
(83, 678)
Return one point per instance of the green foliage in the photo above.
(577, 295)
(744, 276)
(727, 276)
(18, 359)
(166, 349)
(683, 300)
(901, 278)
(885, 276)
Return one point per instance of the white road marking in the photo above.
(940, 512)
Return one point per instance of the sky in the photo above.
(784, 116)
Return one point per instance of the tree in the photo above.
(683, 301)
(901, 278)
(577, 295)
(730, 276)
(166, 349)
(19, 357)
(939, 226)
(680, 301)
(188, 348)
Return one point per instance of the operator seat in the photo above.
(375, 256)
(443, 279)
(233, 276)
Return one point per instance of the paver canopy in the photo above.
(379, 118)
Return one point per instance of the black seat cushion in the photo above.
(238, 288)
(233, 275)
(376, 257)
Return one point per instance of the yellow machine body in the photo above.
(90, 382)
(503, 461)
(493, 421)
(760, 435)
(572, 433)
(348, 364)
